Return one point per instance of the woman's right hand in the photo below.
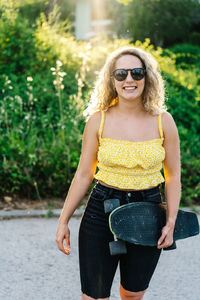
(63, 233)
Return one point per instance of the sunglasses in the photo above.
(136, 73)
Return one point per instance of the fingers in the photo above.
(66, 251)
(60, 237)
(61, 247)
(166, 238)
(165, 244)
(67, 241)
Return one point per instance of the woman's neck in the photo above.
(130, 107)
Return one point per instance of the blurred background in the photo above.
(50, 54)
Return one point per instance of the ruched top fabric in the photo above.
(130, 165)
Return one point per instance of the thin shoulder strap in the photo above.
(160, 126)
(102, 122)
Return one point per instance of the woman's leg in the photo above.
(97, 266)
(127, 295)
(85, 297)
(136, 269)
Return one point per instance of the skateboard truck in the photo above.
(117, 246)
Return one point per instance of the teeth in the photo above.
(130, 88)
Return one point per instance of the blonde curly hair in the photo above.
(105, 95)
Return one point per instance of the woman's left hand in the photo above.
(166, 238)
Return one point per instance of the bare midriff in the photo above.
(114, 187)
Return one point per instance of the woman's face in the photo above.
(129, 88)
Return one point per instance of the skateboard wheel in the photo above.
(117, 247)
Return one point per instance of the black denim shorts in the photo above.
(97, 266)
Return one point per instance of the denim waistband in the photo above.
(151, 194)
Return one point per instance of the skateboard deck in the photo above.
(141, 223)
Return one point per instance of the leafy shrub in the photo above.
(195, 38)
(187, 55)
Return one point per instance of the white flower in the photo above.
(19, 99)
(32, 155)
(9, 81)
(53, 69)
(55, 82)
(62, 74)
(10, 87)
(29, 78)
(88, 46)
(27, 117)
(58, 63)
(81, 54)
(62, 86)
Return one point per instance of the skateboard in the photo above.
(141, 223)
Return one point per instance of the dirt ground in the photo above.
(8, 203)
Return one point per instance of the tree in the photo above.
(165, 22)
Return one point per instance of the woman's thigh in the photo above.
(137, 266)
(97, 266)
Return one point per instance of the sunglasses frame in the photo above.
(132, 74)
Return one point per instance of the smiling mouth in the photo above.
(130, 88)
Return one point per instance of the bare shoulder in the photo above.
(94, 119)
(93, 122)
(168, 124)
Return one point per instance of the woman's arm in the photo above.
(172, 173)
(82, 179)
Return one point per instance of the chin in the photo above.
(131, 97)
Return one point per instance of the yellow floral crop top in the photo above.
(130, 165)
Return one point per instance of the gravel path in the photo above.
(32, 268)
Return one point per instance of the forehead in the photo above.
(128, 62)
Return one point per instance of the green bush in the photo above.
(187, 55)
(195, 38)
(31, 9)
(165, 22)
(185, 111)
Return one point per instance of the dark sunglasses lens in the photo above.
(138, 73)
(120, 75)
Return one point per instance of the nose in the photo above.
(129, 77)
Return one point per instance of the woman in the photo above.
(129, 135)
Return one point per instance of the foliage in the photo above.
(187, 55)
(125, 2)
(31, 9)
(166, 23)
(45, 82)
